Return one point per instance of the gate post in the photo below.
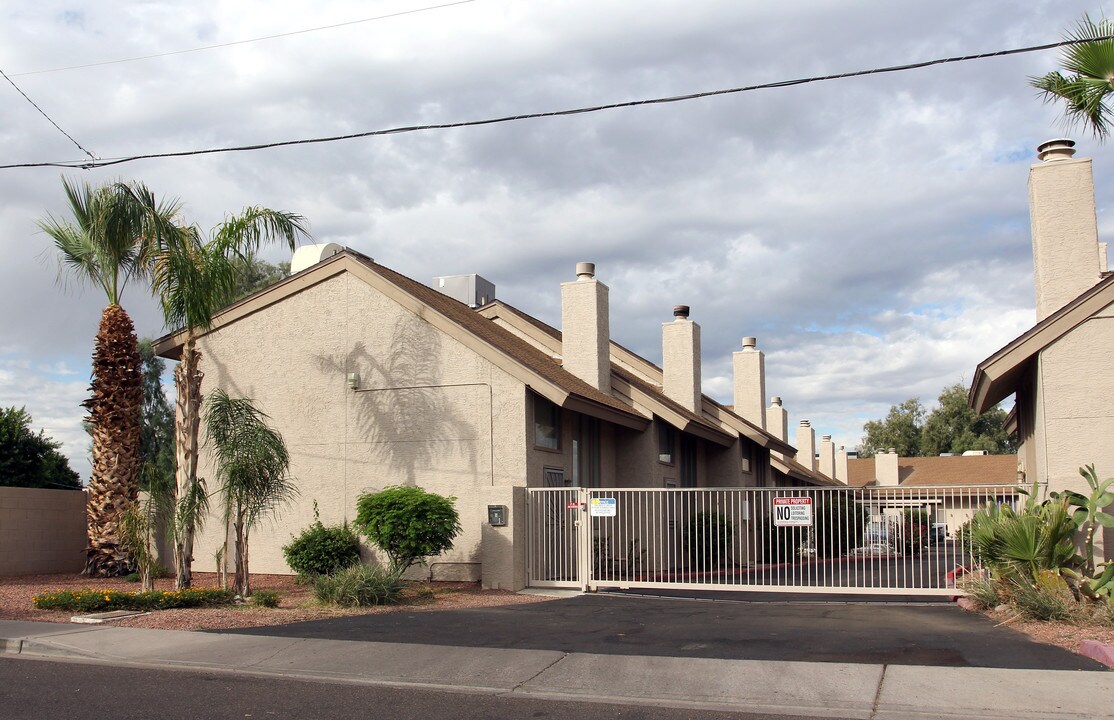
(584, 542)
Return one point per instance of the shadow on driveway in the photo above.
(941, 635)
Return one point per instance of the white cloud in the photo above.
(872, 232)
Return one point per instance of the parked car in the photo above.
(874, 549)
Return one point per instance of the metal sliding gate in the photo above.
(878, 540)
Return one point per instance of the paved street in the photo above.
(36, 689)
(938, 635)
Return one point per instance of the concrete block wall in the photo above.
(41, 531)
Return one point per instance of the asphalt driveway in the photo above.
(941, 635)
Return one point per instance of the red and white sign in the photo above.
(793, 512)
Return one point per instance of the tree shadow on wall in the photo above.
(403, 411)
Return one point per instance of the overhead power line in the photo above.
(553, 113)
(51, 120)
(242, 42)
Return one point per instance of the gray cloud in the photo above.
(872, 232)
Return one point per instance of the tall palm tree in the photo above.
(105, 245)
(193, 279)
(252, 465)
(1087, 87)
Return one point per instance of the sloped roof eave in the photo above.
(998, 376)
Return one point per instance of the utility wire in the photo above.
(242, 42)
(43, 113)
(555, 113)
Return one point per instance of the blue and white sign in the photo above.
(603, 507)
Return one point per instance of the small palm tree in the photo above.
(105, 245)
(252, 465)
(1087, 87)
(193, 279)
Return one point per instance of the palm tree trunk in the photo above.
(114, 417)
(187, 427)
(240, 582)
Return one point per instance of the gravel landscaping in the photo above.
(297, 602)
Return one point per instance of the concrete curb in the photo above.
(1098, 651)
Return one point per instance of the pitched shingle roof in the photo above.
(943, 470)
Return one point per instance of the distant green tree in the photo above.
(900, 430)
(156, 429)
(29, 459)
(951, 427)
(254, 275)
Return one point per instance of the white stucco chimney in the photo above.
(750, 382)
(680, 351)
(1065, 233)
(777, 420)
(841, 472)
(885, 468)
(806, 445)
(585, 328)
(827, 456)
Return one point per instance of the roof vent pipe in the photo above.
(1058, 149)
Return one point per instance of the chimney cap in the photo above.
(776, 400)
(806, 423)
(750, 342)
(1056, 149)
(680, 311)
(825, 438)
(585, 270)
(892, 451)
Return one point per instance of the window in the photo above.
(667, 440)
(586, 452)
(547, 424)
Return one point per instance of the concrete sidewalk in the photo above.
(796, 688)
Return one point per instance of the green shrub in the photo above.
(357, 586)
(708, 539)
(321, 550)
(132, 577)
(838, 524)
(914, 529)
(86, 600)
(265, 598)
(408, 524)
(1018, 545)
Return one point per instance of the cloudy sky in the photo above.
(872, 233)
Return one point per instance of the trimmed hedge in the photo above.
(86, 600)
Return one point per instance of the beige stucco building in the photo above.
(1060, 370)
(375, 379)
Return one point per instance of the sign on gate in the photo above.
(603, 507)
(793, 511)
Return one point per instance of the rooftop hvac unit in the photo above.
(472, 290)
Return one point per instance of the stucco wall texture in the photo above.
(427, 411)
(41, 531)
(1076, 381)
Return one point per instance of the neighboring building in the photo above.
(1060, 372)
(375, 379)
(945, 486)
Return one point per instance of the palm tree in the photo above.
(105, 245)
(193, 278)
(1090, 64)
(252, 464)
